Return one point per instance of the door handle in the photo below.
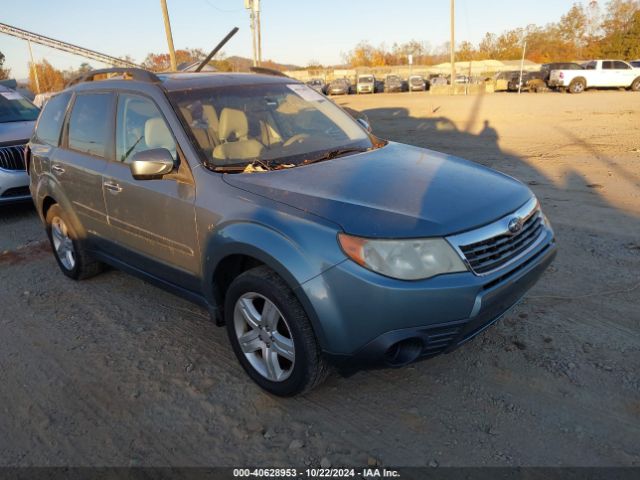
(57, 169)
(112, 187)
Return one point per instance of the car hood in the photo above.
(397, 191)
(15, 131)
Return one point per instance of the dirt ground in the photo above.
(113, 371)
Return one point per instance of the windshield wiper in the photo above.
(331, 154)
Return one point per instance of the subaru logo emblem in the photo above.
(515, 225)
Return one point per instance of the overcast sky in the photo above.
(293, 31)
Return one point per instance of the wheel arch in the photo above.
(240, 247)
(580, 78)
(48, 194)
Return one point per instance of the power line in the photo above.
(208, 2)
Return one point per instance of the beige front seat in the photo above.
(234, 135)
(157, 135)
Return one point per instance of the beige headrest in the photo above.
(210, 115)
(233, 122)
(157, 135)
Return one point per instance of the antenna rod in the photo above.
(217, 49)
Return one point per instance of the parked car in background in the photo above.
(635, 63)
(435, 80)
(597, 74)
(17, 119)
(531, 82)
(252, 196)
(547, 68)
(462, 79)
(417, 83)
(339, 86)
(366, 84)
(501, 80)
(392, 83)
(318, 85)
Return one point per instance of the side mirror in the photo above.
(151, 164)
(364, 121)
(360, 117)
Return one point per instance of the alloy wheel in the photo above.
(264, 336)
(62, 243)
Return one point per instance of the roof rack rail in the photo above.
(138, 74)
(268, 71)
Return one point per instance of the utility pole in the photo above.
(33, 67)
(254, 6)
(453, 48)
(524, 49)
(167, 28)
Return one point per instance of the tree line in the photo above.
(586, 31)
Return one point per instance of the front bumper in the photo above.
(14, 186)
(368, 320)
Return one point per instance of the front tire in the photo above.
(271, 334)
(68, 250)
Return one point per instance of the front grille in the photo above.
(492, 253)
(12, 158)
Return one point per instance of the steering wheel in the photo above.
(296, 138)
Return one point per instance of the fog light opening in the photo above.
(403, 352)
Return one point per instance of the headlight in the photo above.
(546, 222)
(403, 259)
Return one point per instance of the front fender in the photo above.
(297, 258)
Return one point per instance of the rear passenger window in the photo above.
(90, 123)
(607, 65)
(51, 118)
(620, 66)
(140, 126)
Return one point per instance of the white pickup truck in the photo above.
(597, 74)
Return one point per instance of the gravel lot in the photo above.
(113, 371)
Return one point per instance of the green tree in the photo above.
(4, 72)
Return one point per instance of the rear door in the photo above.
(46, 139)
(79, 165)
(626, 75)
(609, 76)
(152, 220)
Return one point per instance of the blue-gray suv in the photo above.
(316, 243)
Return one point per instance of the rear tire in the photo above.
(72, 257)
(279, 348)
(577, 86)
(635, 86)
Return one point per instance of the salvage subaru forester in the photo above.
(316, 243)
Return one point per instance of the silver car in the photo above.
(17, 120)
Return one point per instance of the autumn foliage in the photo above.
(584, 32)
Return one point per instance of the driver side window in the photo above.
(140, 126)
